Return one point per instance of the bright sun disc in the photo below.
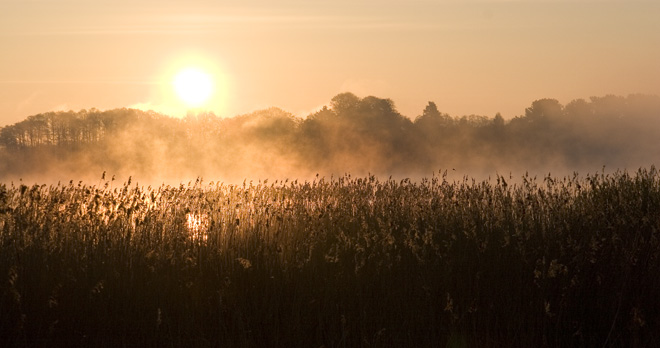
(193, 86)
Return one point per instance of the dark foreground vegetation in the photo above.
(343, 262)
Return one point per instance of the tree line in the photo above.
(349, 135)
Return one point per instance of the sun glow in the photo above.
(193, 86)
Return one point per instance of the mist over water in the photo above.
(352, 135)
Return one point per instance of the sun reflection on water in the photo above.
(198, 225)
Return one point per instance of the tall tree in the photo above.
(344, 103)
(544, 109)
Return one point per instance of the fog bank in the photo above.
(351, 135)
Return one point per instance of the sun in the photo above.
(193, 86)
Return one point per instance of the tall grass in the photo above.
(339, 262)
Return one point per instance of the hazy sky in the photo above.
(470, 57)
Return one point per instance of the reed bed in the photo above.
(338, 262)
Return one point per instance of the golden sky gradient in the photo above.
(470, 57)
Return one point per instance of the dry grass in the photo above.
(341, 262)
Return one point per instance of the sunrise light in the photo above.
(193, 86)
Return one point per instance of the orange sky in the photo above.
(470, 57)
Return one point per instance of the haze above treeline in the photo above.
(352, 135)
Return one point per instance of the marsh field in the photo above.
(238, 174)
(334, 262)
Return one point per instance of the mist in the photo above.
(350, 136)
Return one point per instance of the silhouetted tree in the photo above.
(431, 110)
(498, 121)
(432, 118)
(344, 103)
(578, 109)
(609, 106)
(544, 109)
